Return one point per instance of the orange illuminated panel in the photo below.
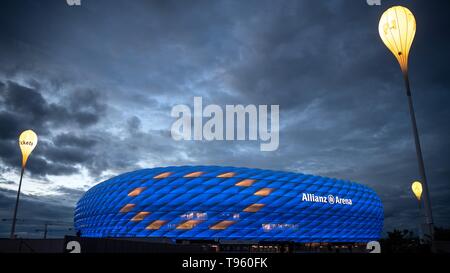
(226, 175)
(162, 175)
(188, 224)
(264, 192)
(194, 174)
(140, 216)
(156, 224)
(136, 191)
(254, 208)
(127, 208)
(222, 225)
(245, 183)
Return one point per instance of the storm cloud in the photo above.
(97, 83)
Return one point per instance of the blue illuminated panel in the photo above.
(210, 202)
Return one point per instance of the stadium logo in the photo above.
(330, 199)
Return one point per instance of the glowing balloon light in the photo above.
(417, 189)
(27, 142)
(397, 28)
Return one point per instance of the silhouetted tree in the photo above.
(442, 234)
(401, 241)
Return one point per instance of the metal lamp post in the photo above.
(27, 142)
(397, 29)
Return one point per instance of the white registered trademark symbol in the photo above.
(330, 199)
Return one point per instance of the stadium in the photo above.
(228, 203)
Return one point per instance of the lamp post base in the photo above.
(13, 227)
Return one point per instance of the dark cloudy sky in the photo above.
(97, 84)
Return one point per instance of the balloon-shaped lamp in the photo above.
(397, 28)
(27, 142)
(417, 189)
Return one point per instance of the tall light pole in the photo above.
(397, 28)
(27, 142)
(45, 230)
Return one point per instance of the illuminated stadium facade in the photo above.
(227, 203)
